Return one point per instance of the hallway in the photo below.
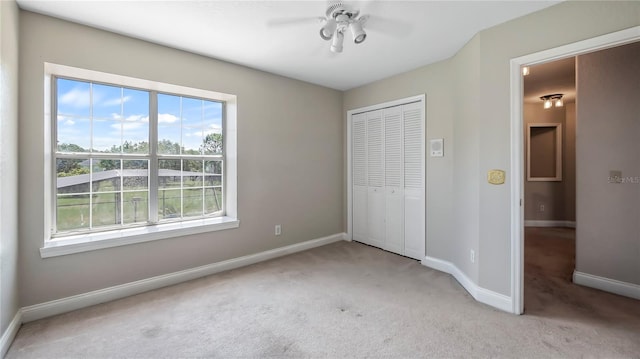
(549, 291)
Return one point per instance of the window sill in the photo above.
(93, 241)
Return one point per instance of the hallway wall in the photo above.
(557, 197)
(608, 211)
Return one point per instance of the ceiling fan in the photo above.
(340, 18)
(344, 16)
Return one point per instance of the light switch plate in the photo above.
(436, 147)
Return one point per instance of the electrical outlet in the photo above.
(472, 256)
(542, 208)
(278, 230)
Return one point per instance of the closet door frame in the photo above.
(418, 98)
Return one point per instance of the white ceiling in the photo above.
(282, 37)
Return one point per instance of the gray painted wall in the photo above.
(569, 175)
(558, 198)
(300, 130)
(468, 104)
(290, 159)
(9, 19)
(608, 111)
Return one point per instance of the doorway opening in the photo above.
(549, 113)
(517, 141)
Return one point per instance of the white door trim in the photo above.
(350, 113)
(517, 138)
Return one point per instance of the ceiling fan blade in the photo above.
(366, 6)
(292, 21)
(392, 27)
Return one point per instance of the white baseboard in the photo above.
(482, 295)
(606, 284)
(533, 223)
(346, 237)
(59, 306)
(10, 333)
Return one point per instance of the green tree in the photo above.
(211, 144)
(65, 166)
(74, 172)
(127, 147)
(107, 165)
(139, 147)
(166, 147)
(70, 147)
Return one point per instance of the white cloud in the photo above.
(76, 97)
(136, 118)
(65, 120)
(115, 101)
(167, 118)
(213, 128)
(127, 126)
(72, 135)
(132, 122)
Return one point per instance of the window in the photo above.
(131, 157)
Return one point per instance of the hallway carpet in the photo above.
(344, 300)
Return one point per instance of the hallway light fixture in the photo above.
(525, 70)
(552, 100)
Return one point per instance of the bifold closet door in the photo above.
(393, 174)
(414, 185)
(388, 197)
(359, 176)
(375, 179)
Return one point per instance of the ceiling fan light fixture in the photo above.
(358, 32)
(336, 44)
(329, 28)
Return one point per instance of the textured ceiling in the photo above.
(282, 37)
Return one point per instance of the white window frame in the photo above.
(87, 241)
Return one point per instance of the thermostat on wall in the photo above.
(436, 147)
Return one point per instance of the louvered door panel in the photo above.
(393, 164)
(393, 146)
(413, 146)
(375, 176)
(359, 177)
(414, 213)
(359, 152)
(375, 149)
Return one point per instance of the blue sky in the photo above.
(119, 115)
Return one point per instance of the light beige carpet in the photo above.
(344, 300)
